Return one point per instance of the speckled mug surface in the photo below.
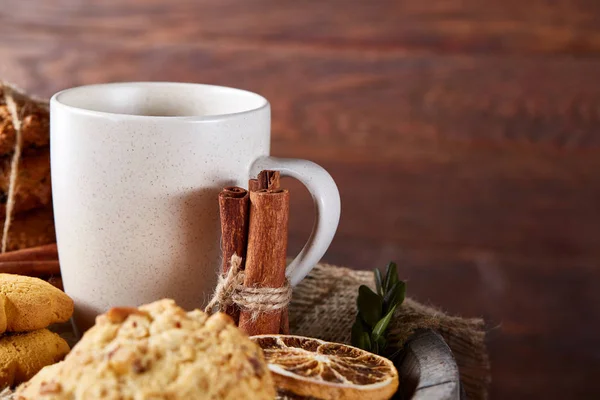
(136, 170)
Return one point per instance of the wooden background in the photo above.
(464, 136)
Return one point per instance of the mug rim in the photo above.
(55, 100)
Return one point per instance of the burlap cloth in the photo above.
(324, 306)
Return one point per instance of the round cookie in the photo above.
(31, 303)
(22, 355)
(157, 351)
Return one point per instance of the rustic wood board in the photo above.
(472, 124)
(507, 26)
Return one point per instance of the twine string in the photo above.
(230, 291)
(222, 297)
(11, 105)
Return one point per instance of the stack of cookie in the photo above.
(31, 216)
(27, 307)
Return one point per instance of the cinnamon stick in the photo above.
(266, 254)
(270, 180)
(253, 185)
(40, 253)
(284, 325)
(31, 268)
(233, 208)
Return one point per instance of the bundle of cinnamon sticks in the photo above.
(254, 226)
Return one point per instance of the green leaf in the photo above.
(369, 305)
(380, 340)
(382, 325)
(391, 276)
(366, 342)
(357, 332)
(378, 282)
(360, 343)
(395, 296)
(374, 347)
(360, 338)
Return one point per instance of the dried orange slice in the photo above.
(315, 368)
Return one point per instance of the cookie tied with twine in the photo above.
(24, 131)
(22, 113)
(230, 291)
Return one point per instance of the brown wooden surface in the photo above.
(475, 124)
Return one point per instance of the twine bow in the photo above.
(230, 291)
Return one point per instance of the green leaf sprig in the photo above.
(375, 311)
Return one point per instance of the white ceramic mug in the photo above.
(136, 169)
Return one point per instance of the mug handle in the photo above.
(326, 196)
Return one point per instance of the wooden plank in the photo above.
(477, 173)
(489, 200)
(517, 182)
(428, 369)
(510, 26)
(379, 103)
